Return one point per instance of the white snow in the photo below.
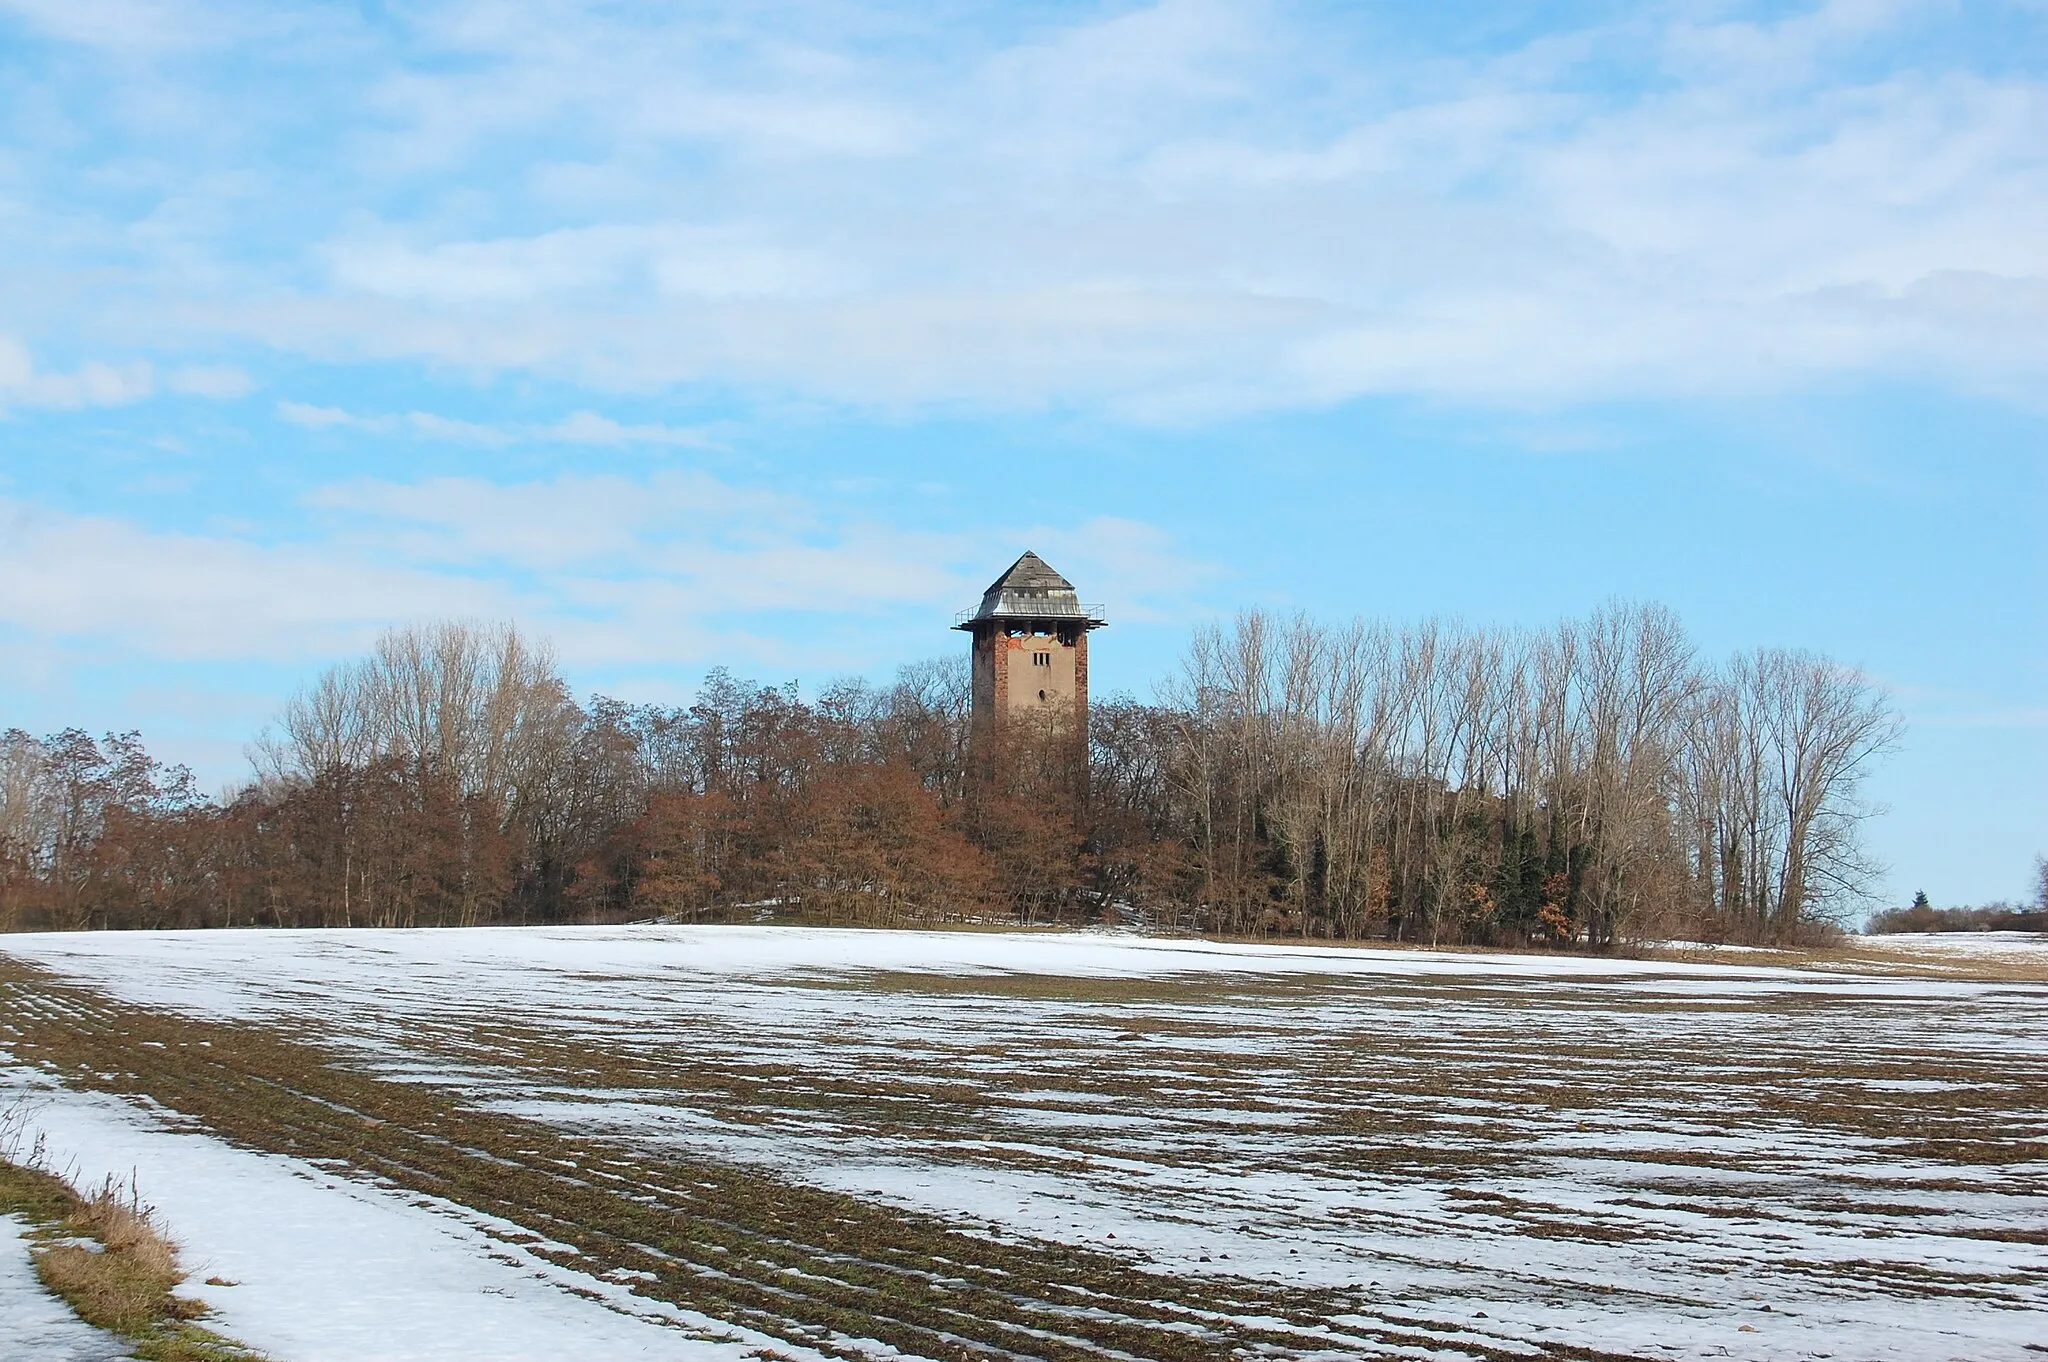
(35, 1324)
(2018, 947)
(1665, 1184)
(316, 961)
(328, 1269)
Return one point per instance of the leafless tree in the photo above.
(1588, 784)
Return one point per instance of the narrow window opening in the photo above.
(1041, 697)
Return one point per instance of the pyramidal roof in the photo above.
(1031, 590)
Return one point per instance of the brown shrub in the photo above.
(124, 1283)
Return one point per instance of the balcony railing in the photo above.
(1087, 613)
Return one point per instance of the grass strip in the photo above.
(105, 1256)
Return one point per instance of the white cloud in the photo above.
(216, 381)
(588, 428)
(671, 258)
(578, 428)
(122, 25)
(570, 520)
(503, 271)
(199, 596)
(677, 569)
(317, 418)
(93, 384)
(462, 432)
(1168, 210)
(746, 80)
(97, 383)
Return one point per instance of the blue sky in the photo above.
(765, 335)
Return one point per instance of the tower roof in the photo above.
(1031, 590)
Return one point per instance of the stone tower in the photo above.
(1030, 654)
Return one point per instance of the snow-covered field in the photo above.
(2021, 948)
(1319, 1152)
(323, 1267)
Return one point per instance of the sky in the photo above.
(766, 335)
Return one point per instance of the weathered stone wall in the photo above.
(1041, 675)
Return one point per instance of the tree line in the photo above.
(1589, 785)
(1922, 916)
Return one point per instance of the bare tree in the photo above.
(1590, 784)
(1825, 726)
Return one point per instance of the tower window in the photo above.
(1041, 697)
(1041, 659)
